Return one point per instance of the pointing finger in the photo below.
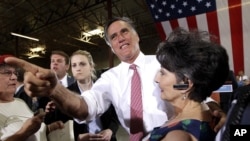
(23, 64)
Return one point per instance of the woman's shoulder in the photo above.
(187, 127)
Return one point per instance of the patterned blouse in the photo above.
(201, 130)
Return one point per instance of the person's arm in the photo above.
(69, 102)
(219, 115)
(41, 82)
(31, 126)
(16, 137)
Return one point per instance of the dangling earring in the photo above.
(184, 97)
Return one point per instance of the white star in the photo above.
(179, 11)
(208, 4)
(185, 3)
(160, 10)
(168, 14)
(156, 17)
(164, 3)
(152, 6)
(199, 1)
(193, 8)
(172, 6)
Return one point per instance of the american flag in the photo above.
(227, 19)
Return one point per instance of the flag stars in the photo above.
(156, 17)
(172, 6)
(152, 6)
(193, 8)
(168, 14)
(208, 4)
(160, 10)
(184, 3)
(164, 3)
(179, 11)
(174, 9)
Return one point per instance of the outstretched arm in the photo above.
(41, 82)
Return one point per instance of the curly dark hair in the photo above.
(194, 56)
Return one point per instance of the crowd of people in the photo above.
(172, 93)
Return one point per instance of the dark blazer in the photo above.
(109, 119)
(70, 80)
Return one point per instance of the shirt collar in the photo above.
(139, 61)
(64, 81)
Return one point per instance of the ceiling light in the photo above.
(23, 36)
(86, 36)
(33, 55)
(97, 31)
(37, 49)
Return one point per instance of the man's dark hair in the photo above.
(59, 52)
(125, 19)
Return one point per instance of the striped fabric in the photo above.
(136, 121)
(227, 19)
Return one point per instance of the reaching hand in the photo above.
(104, 135)
(38, 81)
(107, 134)
(220, 119)
(32, 125)
(50, 107)
(54, 126)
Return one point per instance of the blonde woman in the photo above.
(103, 128)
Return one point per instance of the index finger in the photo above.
(23, 64)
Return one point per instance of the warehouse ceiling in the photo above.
(60, 24)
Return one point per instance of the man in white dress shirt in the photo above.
(112, 87)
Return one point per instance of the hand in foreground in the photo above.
(30, 127)
(220, 119)
(38, 81)
(50, 107)
(54, 126)
(104, 135)
(107, 134)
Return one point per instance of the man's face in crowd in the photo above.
(58, 64)
(124, 41)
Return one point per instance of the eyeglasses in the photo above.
(8, 73)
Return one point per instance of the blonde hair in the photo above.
(90, 60)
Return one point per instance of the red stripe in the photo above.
(160, 30)
(235, 18)
(213, 24)
(174, 24)
(191, 21)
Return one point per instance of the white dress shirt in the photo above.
(114, 87)
(95, 125)
(64, 81)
